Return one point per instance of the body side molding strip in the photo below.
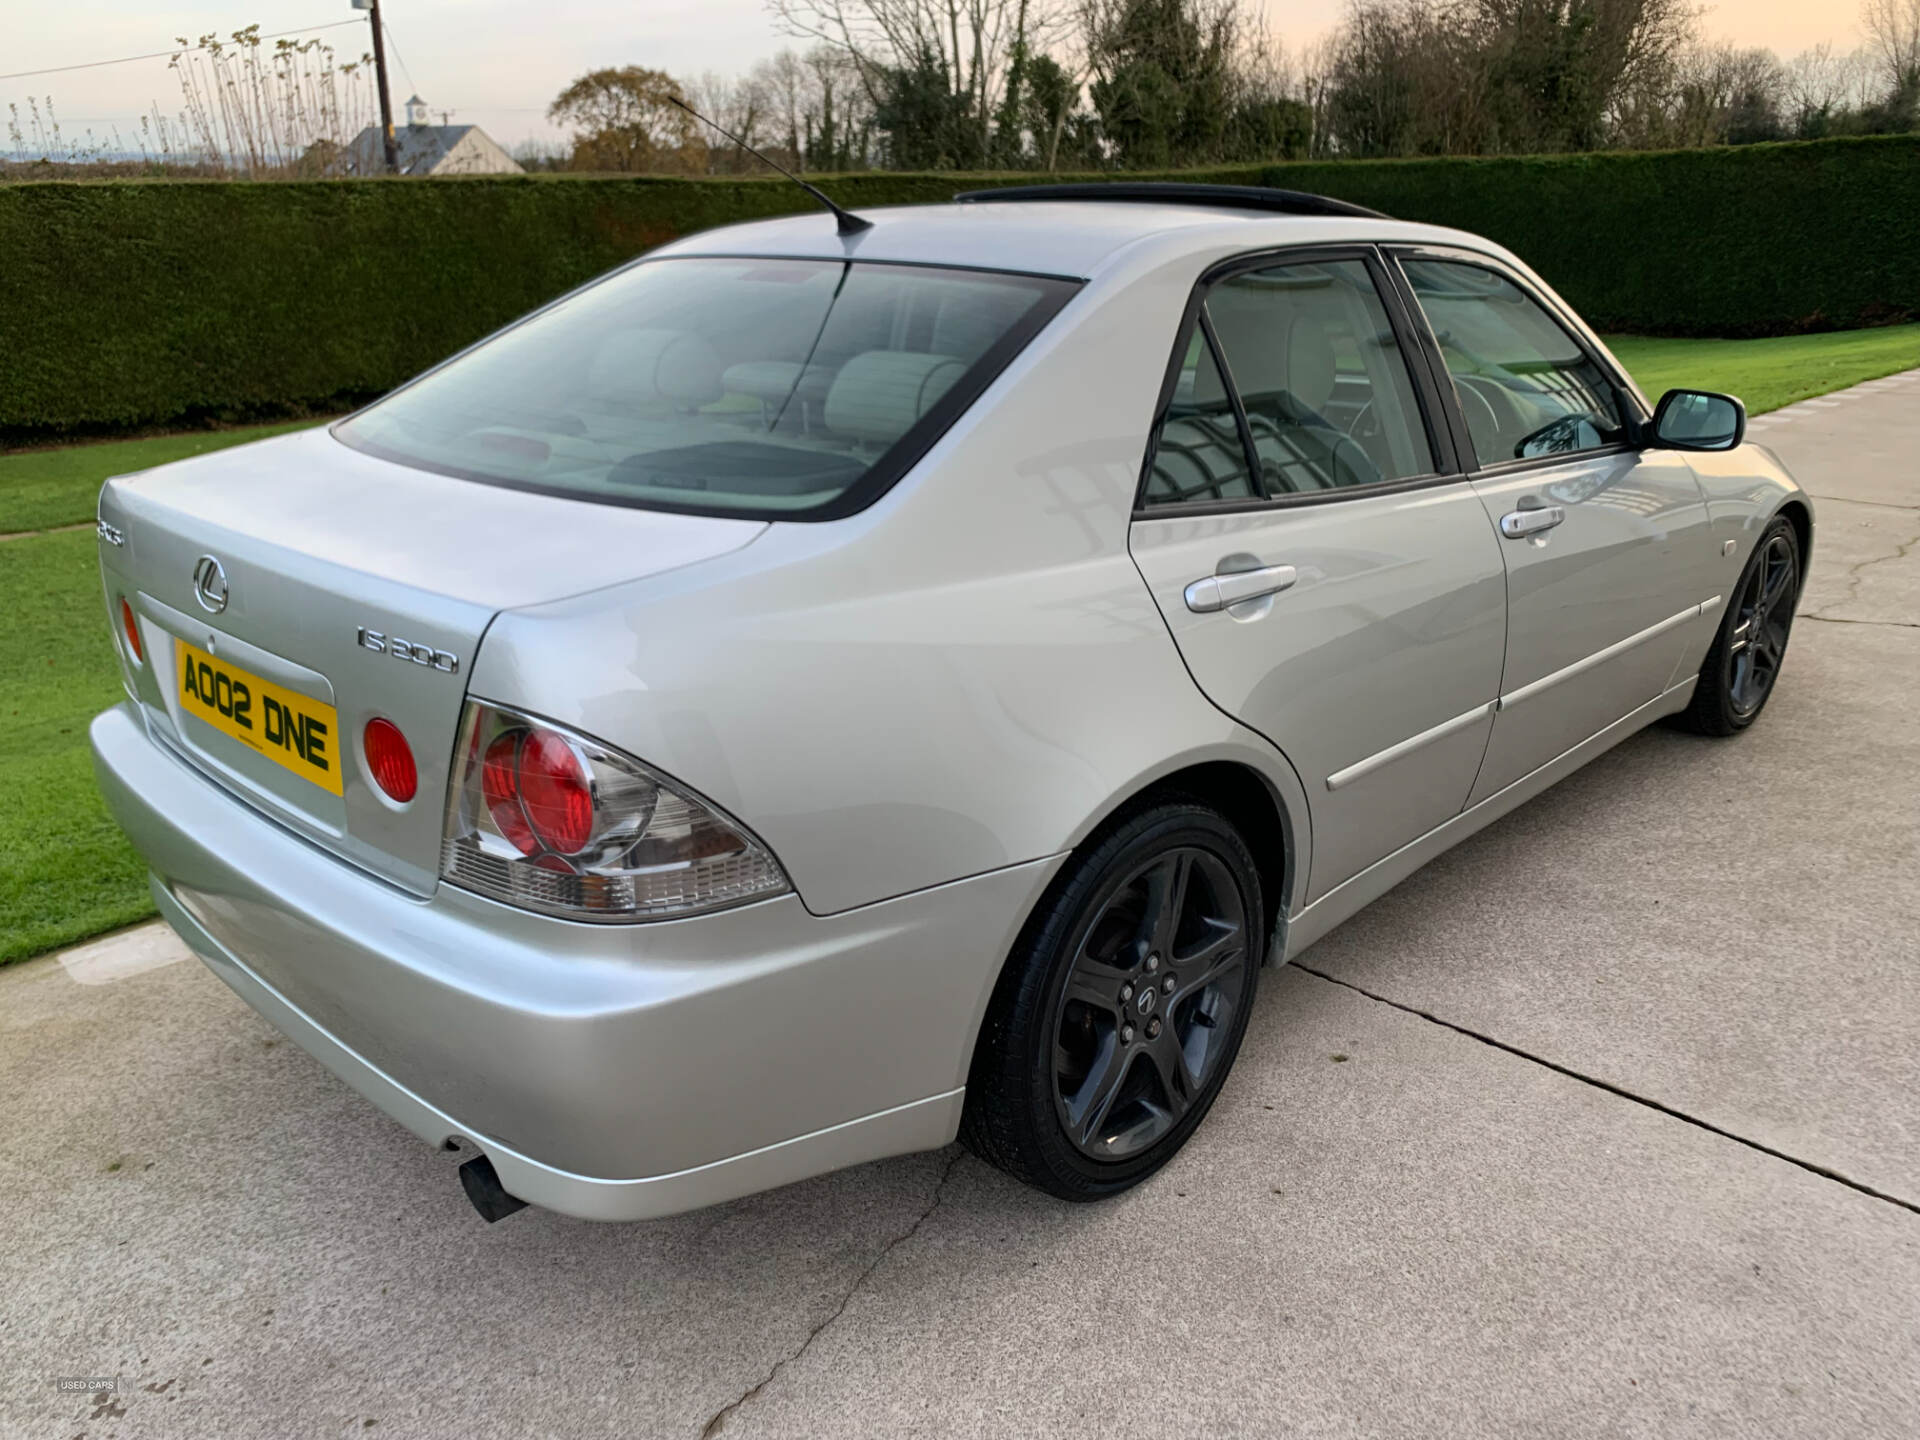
(1351, 895)
(1600, 657)
(1392, 753)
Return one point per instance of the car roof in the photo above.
(1073, 238)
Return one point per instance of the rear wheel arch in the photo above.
(1271, 821)
(1249, 801)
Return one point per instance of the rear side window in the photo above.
(1322, 387)
(1313, 356)
(1525, 385)
(1200, 455)
(779, 389)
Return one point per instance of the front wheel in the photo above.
(1122, 1008)
(1741, 668)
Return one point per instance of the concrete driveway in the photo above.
(1608, 1123)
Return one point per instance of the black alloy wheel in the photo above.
(1744, 662)
(1122, 1008)
(1764, 615)
(1142, 1021)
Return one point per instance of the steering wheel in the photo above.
(1560, 436)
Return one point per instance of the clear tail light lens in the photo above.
(548, 819)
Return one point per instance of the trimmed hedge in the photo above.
(129, 304)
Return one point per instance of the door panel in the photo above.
(1376, 669)
(1605, 547)
(1601, 606)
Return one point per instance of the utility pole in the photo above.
(380, 69)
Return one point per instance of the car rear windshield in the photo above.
(782, 389)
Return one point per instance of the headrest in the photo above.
(651, 366)
(1310, 362)
(878, 395)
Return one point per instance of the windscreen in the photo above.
(782, 389)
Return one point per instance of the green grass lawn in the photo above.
(65, 871)
(40, 489)
(1767, 374)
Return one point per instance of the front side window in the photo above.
(768, 388)
(1526, 387)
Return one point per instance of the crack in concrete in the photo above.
(1809, 1166)
(719, 1418)
(1844, 620)
(1902, 548)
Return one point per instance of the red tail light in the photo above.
(391, 759)
(555, 793)
(548, 819)
(500, 788)
(132, 629)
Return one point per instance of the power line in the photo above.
(166, 54)
(401, 58)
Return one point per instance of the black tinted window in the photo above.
(1524, 384)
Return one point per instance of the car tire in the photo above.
(1738, 676)
(1122, 1007)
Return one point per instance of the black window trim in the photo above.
(1249, 456)
(1627, 396)
(1429, 396)
(893, 465)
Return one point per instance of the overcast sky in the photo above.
(497, 63)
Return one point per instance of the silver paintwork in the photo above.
(1594, 606)
(921, 709)
(612, 1055)
(1395, 628)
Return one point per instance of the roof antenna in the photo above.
(845, 221)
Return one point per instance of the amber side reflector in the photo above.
(132, 629)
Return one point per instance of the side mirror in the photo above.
(1698, 420)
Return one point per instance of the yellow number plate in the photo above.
(300, 734)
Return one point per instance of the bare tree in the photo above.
(1893, 40)
(1822, 86)
(967, 46)
(814, 111)
(740, 105)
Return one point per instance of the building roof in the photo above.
(424, 149)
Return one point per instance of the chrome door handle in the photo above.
(1217, 592)
(1531, 522)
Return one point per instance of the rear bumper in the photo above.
(609, 1072)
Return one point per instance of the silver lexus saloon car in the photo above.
(819, 691)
